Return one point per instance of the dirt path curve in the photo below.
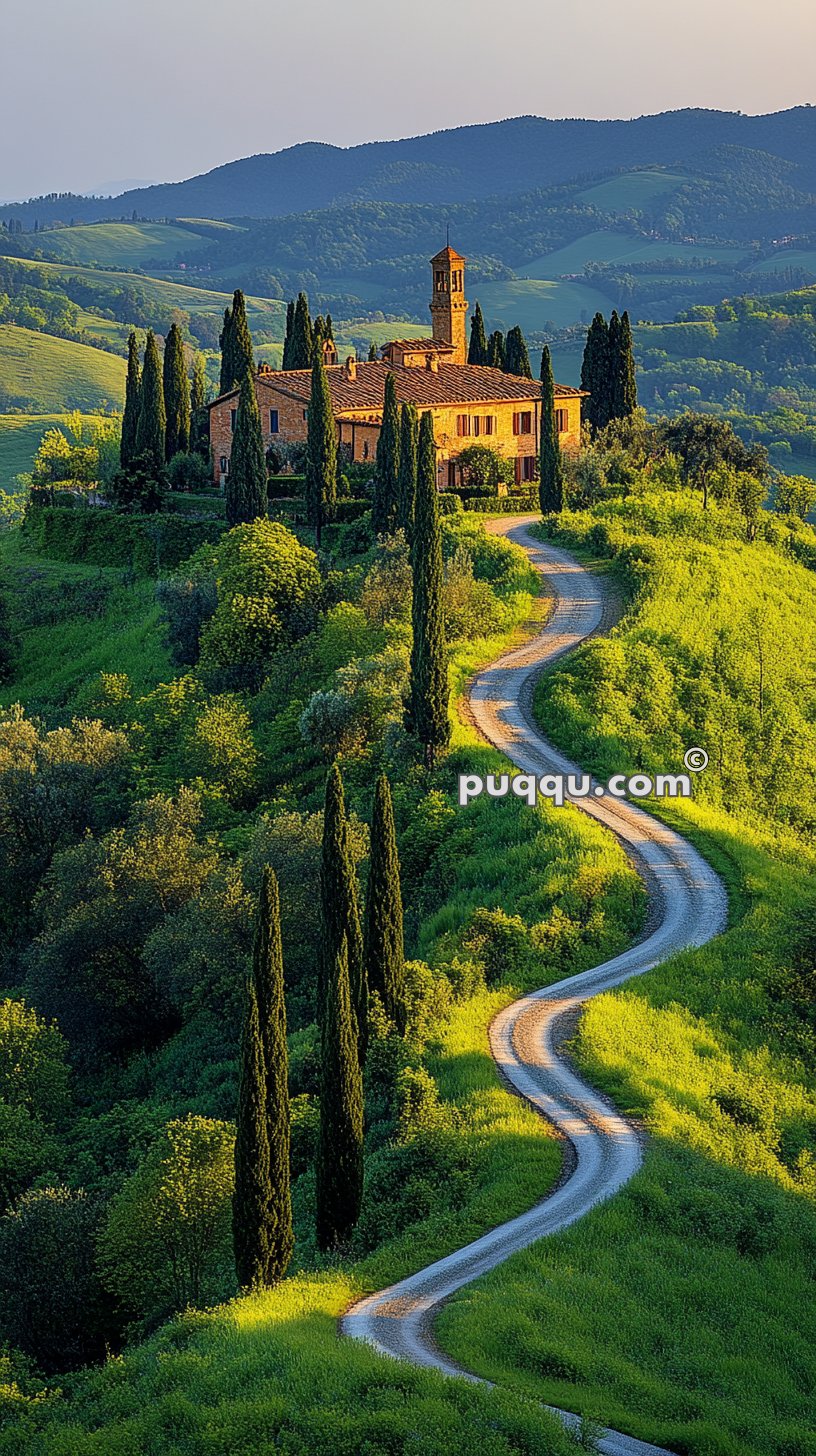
(687, 907)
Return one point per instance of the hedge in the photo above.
(504, 505)
(101, 537)
(449, 503)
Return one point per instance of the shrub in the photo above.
(501, 943)
(101, 537)
(504, 505)
(166, 1240)
(449, 503)
(52, 1304)
(188, 601)
(189, 471)
(269, 594)
(483, 470)
(33, 1069)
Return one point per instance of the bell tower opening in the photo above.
(448, 303)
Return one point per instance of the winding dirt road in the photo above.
(687, 907)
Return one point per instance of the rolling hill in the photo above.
(43, 375)
(447, 166)
(125, 244)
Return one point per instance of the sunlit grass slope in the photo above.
(44, 374)
(684, 1311)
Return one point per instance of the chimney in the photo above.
(351, 367)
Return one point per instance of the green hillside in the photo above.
(632, 189)
(41, 374)
(122, 244)
(614, 247)
(537, 303)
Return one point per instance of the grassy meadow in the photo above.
(682, 1311)
(20, 436)
(55, 375)
(122, 244)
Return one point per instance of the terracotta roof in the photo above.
(449, 384)
(419, 346)
(448, 255)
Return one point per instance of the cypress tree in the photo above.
(427, 708)
(551, 470)
(339, 1165)
(386, 480)
(339, 906)
(623, 382)
(595, 374)
(495, 350)
(242, 358)
(199, 418)
(150, 431)
(384, 944)
(227, 377)
(287, 338)
(372, 353)
(516, 356)
(409, 442)
(477, 352)
(320, 487)
(252, 1196)
(130, 418)
(246, 490)
(301, 350)
(267, 974)
(176, 394)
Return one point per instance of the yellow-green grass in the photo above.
(42, 374)
(59, 663)
(270, 1369)
(165, 293)
(534, 302)
(679, 1312)
(632, 189)
(114, 334)
(612, 247)
(122, 244)
(20, 437)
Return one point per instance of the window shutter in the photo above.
(516, 430)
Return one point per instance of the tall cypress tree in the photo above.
(495, 350)
(199, 418)
(130, 418)
(384, 943)
(287, 338)
(409, 442)
(252, 1197)
(301, 349)
(386, 480)
(267, 974)
(477, 352)
(227, 378)
(339, 1165)
(176, 394)
(516, 355)
(623, 382)
(339, 905)
(243, 359)
(150, 431)
(427, 707)
(372, 353)
(551, 469)
(595, 374)
(246, 489)
(320, 487)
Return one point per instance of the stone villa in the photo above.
(469, 403)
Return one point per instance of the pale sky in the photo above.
(97, 91)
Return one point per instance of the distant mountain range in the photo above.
(447, 167)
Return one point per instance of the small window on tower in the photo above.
(233, 418)
(274, 422)
(440, 282)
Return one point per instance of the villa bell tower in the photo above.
(448, 303)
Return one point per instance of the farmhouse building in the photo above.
(469, 403)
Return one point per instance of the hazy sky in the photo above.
(103, 90)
